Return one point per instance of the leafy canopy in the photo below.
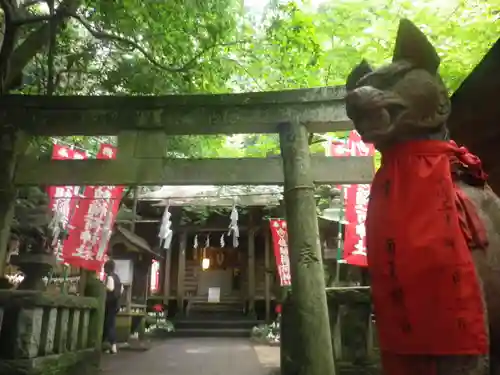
(126, 47)
(318, 46)
(133, 47)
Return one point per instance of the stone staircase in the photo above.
(207, 319)
(228, 305)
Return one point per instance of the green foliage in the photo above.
(183, 44)
(157, 324)
(131, 47)
(139, 48)
(316, 47)
(267, 333)
(302, 46)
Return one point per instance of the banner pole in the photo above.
(340, 237)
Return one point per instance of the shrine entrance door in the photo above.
(221, 271)
(216, 278)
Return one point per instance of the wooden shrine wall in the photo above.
(193, 268)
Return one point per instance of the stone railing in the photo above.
(46, 333)
(352, 331)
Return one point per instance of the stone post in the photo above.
(95, 288)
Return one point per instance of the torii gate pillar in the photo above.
(308, 284)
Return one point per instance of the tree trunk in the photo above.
(12, 142)
(308, 283)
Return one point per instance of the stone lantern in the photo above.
(35, 257)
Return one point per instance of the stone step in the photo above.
(205, 322)
(216, 315)
(211, 332)
(197, 310)
(223, 299)
(222, 303)
(213, 306)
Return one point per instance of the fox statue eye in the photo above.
(360, 71)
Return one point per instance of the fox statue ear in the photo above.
(413, 46)
(361, 70)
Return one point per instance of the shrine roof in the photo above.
(135, 240)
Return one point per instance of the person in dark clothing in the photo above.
(113, 293)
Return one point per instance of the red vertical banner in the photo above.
(63, 199)
(93, 222)
(154, 283)
(356, 205)
(279, 234)
(339, 148)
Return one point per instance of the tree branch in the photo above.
(319, 140)
(52, 50)
(36, 41)
(311, 141)
(103, 35)
(32, 19)
(255, 80)
(30, 3)
(9, 40)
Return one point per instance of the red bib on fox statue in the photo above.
(424, 283)
(427, 247)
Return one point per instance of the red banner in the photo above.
(279, 235)
(339, 148)
(93, 222)
(154, 283)
(356, 205)
(63, 199)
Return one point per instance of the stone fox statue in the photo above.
(433, 224)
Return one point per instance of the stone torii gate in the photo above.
(143, 124)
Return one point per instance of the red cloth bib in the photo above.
(425, 289)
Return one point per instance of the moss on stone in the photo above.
(32, 298)
(354, 305)
(84, 362)
(348, 295)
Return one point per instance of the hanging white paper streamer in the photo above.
(195, 242)
(165, 233)
(107, 230)
(222, 242)
(56, 225)
(233, 226)
(207, 241)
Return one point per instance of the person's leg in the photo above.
(136, 321)
(107, 333)
(112, 331)
(105, 326)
